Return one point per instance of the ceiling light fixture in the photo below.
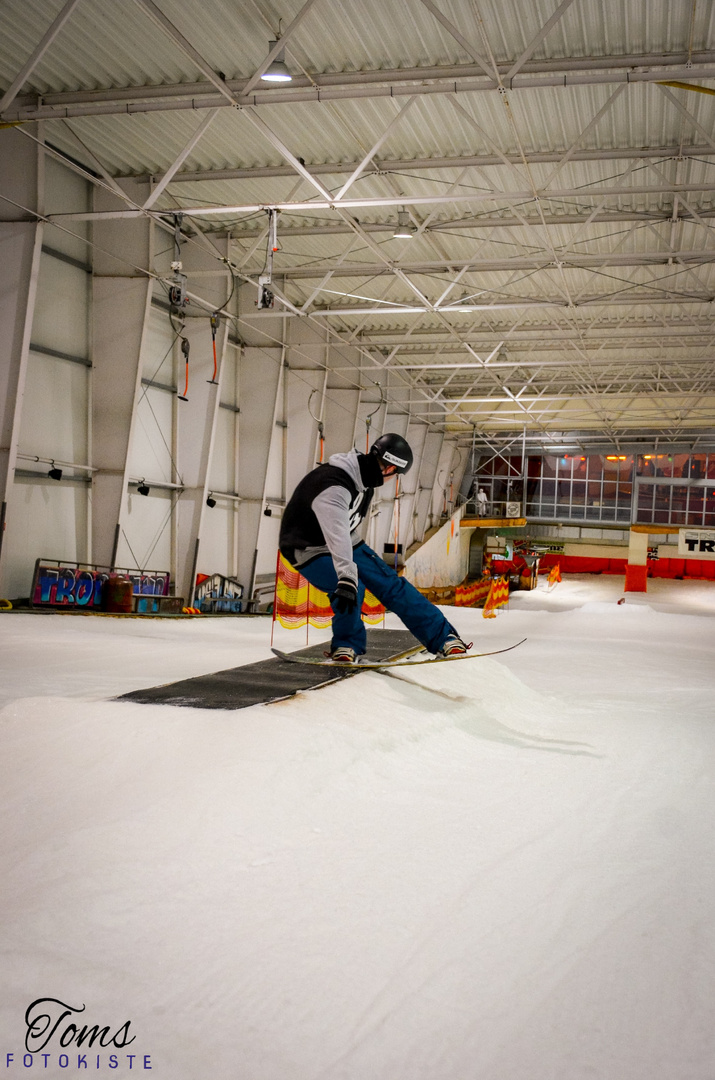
(404, 228)
(55, 473)
(210, 502)
(277, 71)
(143, 488)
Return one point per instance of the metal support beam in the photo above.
(477, 266)
(320, 85)
(471, 161)
(192, 96)
(650, 299)
(328, 203)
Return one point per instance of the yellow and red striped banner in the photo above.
(498, 596)
(471, 594)
(297, 602)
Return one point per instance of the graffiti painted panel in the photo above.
(218, 593)
(81, 585)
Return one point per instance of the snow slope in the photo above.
(500, 870)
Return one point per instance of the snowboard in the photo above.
(315, 661)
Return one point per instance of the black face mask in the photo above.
(370, 471)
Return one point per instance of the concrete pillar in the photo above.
(121, 296)
(637, 567)
(21, 180)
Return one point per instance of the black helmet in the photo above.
(394, 450)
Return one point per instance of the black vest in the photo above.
(299, 525)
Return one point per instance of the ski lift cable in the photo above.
(368, 418)
(321, 428)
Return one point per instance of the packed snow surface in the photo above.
(500, 869)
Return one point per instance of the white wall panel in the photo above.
(229, 375)
(269, 525)
(416, 434)
(268, 546)
(62, 312)
(259, 384)
(339, 421)
(443, 560)
(48, 520)
(157, 354)
(54, 410)
(448, 457)
(304, 388)
(223, 471)
(66, 193)
(145, 538)
(216, 550)
(150, 452)
(430, 460)
(120, 309)
(371, 411)
(383, 530)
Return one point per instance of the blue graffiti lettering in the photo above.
(65, 587)
(85, 588)
(48, 580)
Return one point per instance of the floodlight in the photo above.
(404, 228)
(277, 70)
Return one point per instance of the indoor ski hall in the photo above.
(357, 539)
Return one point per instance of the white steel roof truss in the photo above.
(528, 258)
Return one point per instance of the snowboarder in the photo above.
(320, 537)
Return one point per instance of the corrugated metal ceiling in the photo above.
(650, 267)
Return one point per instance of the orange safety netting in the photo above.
(471, 594)
(297, 602)
(498, 596)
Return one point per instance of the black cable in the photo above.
(233, 284)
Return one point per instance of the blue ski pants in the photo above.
(422, 618)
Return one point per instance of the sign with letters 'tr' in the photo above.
(696, 543)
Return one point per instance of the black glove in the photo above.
(344, 599)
